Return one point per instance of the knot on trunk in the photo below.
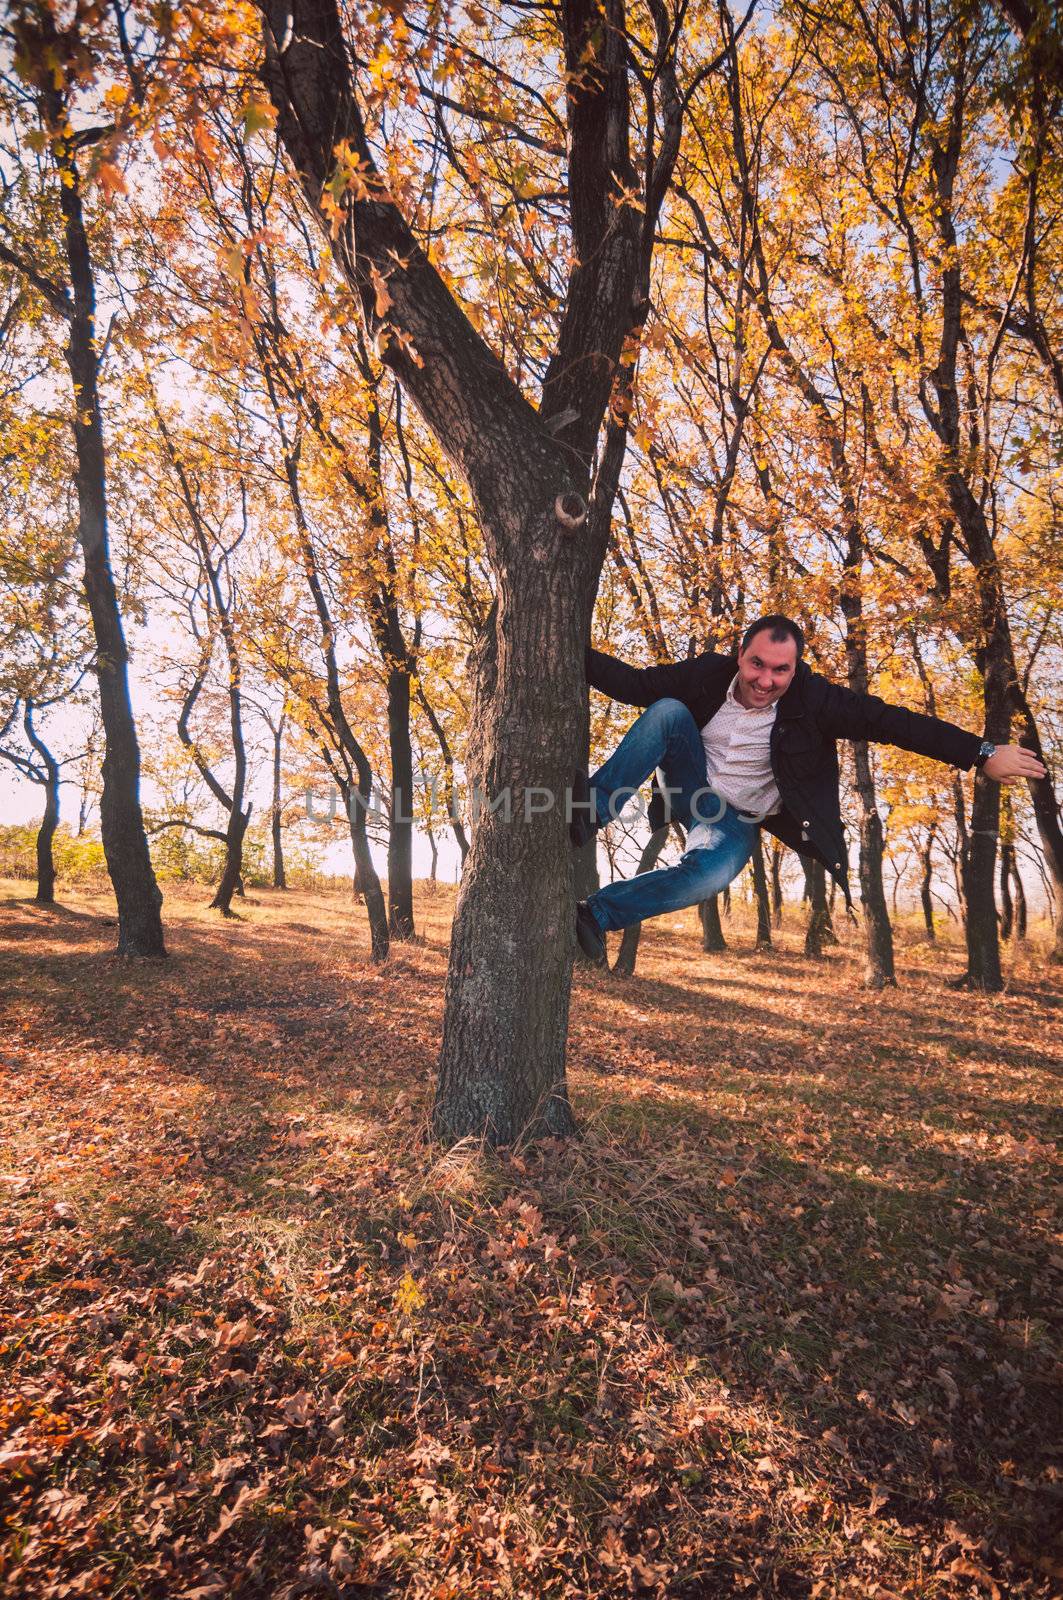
(570, 509)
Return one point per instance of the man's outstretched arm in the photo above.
(844, 714)
(641, 686)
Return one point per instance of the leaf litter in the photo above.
(780, 1322)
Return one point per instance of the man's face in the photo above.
(765, 669)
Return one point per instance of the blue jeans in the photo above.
(667, 736)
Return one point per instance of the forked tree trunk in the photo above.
(502, 1058)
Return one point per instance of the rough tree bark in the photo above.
(506, 1018)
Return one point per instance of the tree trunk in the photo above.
(712, 938)
(354, 776)
(502, 1058)
(760, 890)
(1020, 899)
(400, 830)
(125, 842)
(1046, 816)
(879, 968)
(776, 884)
(449, 796)
(45, 895)
(624, 965)
(231, 882)
(356, 796)
(820, 930)
(1007, 909)
(925, 896)
(276, 808)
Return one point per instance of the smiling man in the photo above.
(746, 741)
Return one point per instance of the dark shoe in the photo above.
(581, 829)
(589, 935)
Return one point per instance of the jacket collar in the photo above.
(792, 704)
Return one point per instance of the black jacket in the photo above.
(811, 715)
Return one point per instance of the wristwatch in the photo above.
(985, 750)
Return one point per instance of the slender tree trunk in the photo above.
(356, 796)
(1020, 899)
(449, 796)
(400, 830)
(776, 884)
(1047, 817)
(627, 955)
(125, 842)
(760, 890)
(712, 938)
(45, 895)
(355, 781)
(435, 855)
(879, 969)
(925, 895)
(231, 882)
(1007, 909)
(820, 930)
(979, 859)
(276, 809)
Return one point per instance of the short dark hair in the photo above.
(780, 628)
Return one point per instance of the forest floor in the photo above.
(778, 1324)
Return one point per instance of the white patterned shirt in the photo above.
(738, 755)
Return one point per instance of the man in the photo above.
(745, 741)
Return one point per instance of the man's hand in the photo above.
(1012, 763)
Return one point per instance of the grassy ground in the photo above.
(779, 1323)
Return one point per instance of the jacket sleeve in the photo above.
(844, 714)
(641, 686)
